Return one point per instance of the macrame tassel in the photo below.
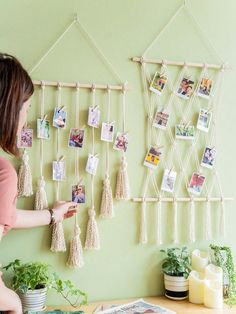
(222, 219)
(76, 258)
(175, 223)
(24, 184)
(158, 223)
(122, 183)
(92, 237)
(192, 222)
(41, 201)
(143, 229)
(107, 199)
(58, 240)
(208, 221)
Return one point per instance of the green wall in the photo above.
(122, 29)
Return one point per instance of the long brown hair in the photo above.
(16, 87)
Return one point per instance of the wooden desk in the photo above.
(180, 307)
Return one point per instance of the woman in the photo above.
(16, 89)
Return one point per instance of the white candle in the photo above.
(200, 260)
(196, 287)
(213, 272)
(213, 295)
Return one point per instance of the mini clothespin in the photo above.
(170, 170)
(61, 158)
(186, 125)
(45, 117)
(80, 181)
(62, 108)
(209, 109)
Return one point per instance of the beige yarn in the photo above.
(58, 240)
(41, 201)
(24, 184)
(76, 258)
(92, 236)
(107, 199)
(122, 183)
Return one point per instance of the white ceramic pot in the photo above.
(33, 300)
(176, 287)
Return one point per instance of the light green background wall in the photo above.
(122, 29)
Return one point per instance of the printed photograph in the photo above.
(76, 138)
(186, 88)
(158, 83)
(58, 170)
(168, 181)
(185, 132)
(204, 120)
(121, 142)
(94, 117)
(92, 163)
(196, 183)
(59, 118)
(107, 132)
(25, 139)
(205, 88)
(152, 158)
(78, 194)
(208, 157)
(160, 119)
(43, 127)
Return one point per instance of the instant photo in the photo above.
(158, 83)
(186, 88)
(196, 183)
(204, 120)
(78, 194)
(121, 142)
(58, 170)
(94, 117)
(205, 88)
(208, 157)
(107, 132)
(59, 118)
(184, 132)
(92, 163)
(76, 138)
(25, 139)
(160, 119)
(43, 127)
(152, 158)
(168, 181)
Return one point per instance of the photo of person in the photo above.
(58, 170)
(59, 118)
(196, 183)
(25, 139)
(76, 138)
(204, 120)
(185, 132)
(78, 194)
(208, 157)
(186, 88)
(94, 116)
(121, 142)
(107, 132)
(152, 158)
(205, 87)
(168, 181)
(160, 119)
(43, 127)
(158, 83)
(92, 163)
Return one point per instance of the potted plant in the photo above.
(32, 281)
(176, 268)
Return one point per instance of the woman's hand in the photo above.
(64, 210)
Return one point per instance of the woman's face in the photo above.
(23, 115)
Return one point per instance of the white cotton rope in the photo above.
(191, 233)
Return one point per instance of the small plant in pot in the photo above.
(32, 281)
(176, 268)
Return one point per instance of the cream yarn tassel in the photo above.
(24, 184)
(92, 237)
(41, 201)
(58, 240)
(76, 258)
(143, 229)
(107, 199)
(122, 183)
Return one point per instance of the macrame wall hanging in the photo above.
(179, 151)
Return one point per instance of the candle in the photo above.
(199, 260)
(213, 296)
(196, 287)
(214, 273)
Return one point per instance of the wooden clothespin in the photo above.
(170, 170)
(61, 159)
(62, 108)
(43, 120)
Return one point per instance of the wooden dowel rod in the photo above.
(182, 199)
(88, 86)
(181, 63)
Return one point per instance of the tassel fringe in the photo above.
(24, 184)
(107, 200)
(58, 240)
(41, 201)
(76, 258)
(122, 183)
(92, 237)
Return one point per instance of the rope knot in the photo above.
(25, 157)
(42, 84)
(207, 199)
(185, 65)
(142, 60)
(77, 86)
(93, 87)
(108, 88)
(92, 213)
(59, 85)
(41, 183)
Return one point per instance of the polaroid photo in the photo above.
(160, 119)
(186, 88)
(208, 157)
(94, 116)
(78, 194)
(107, 132)
(92, 163)
(58, 170)
(76, 138)
(152, 157)
(158, 83)
(205, 88)
(185, 132)
(168, 181)
(59, 118)
(204, 120)
(196, 183)
(43, 127)
(25, 139)
(121, 142)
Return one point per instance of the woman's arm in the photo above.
(1, 231)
